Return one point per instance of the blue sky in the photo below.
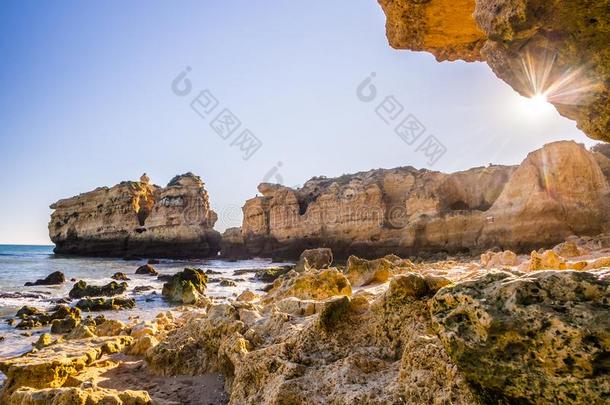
(86, 100)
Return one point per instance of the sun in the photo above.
(536, 105)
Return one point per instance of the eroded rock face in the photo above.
(557, 191)
(537, 338)
(557, 48)
(138, 219)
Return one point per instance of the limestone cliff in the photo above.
(137, 219)
(557, 48)
(557, 191)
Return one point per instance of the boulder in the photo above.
(247, 296)
(55, 278)
(568, 249)
(39, 319)
(362, 272)
(142, 345)
(187, 287)
(110, 327)
(271, 274)
(227, 283)
(120, 276)
(311, 285)
(317, 259)
(105, 304)
(499, 259)
(64, 325)
(81, 289)
(147, 269)
(542, 337)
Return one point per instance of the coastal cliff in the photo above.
(557, 191)
(557, 49)
(137, 219)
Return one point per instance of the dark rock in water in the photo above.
(120, 276)
(40, 319)
(131, 258)
(2, 338)
(81, 289)
(37, 295)
(64, 325)
(543, 337)
(164, 277)
(26, 311)
(228, 283)
(271, 274)
(73, 280)
(186, 287)
(142, 288)
(55, 278)
(147, 269)
(153, 261)
(244, 271)
(105, 304)
(212, 272)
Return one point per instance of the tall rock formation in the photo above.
(138, 219)
(557, 191)
(551, 47)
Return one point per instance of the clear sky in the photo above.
(86, 100)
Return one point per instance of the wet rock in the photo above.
(147, 269)
(43, 341)
(26, 311)
(228, 283)
(186, 287)
(55, 278)
(143, 288)
(65, 325)
(272, 274)
(317, 259)
(39, 319)
(153, 261)
(105, 304)
(538, 338)
(210, 272)
(81, 289)
(120, 277)
(164, 277)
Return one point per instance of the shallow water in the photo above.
(20, 264)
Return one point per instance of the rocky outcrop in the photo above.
(55, 278)
(137, 219)
(82, 289)
(186, 287)
(472, 337)
(557, 48)
(52, 366)
(557, 191)
(536, 339)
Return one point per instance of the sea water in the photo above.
(20, 264)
